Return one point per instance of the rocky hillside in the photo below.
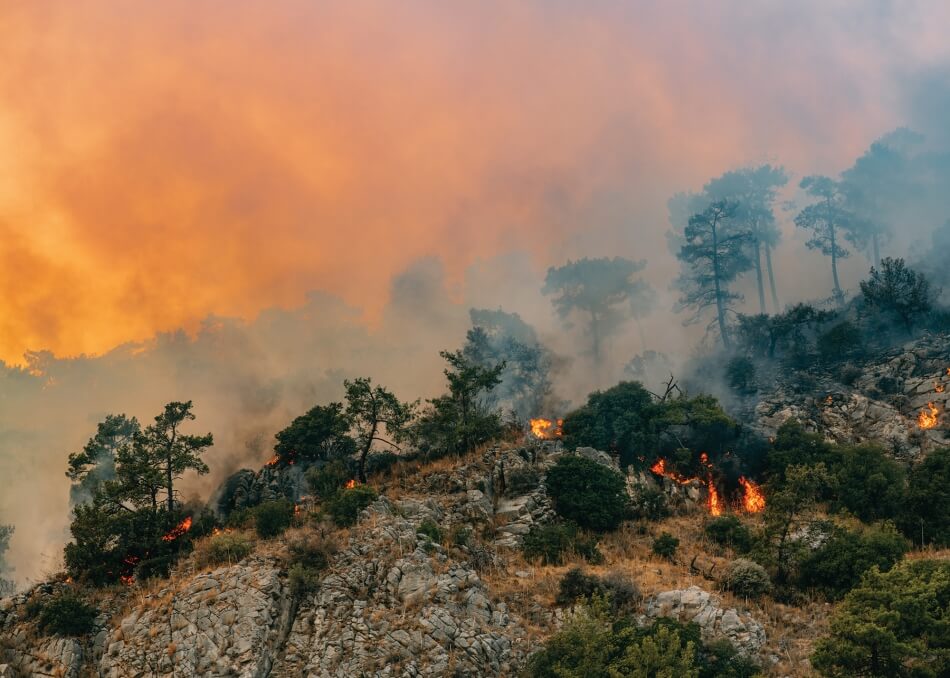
(394, 601)
(897, 398)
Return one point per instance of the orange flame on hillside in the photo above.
(273, 461)
(546, 429)
(928, 419)
(938, 387)
(753, 500)
(178, 530)
(660, 469)
(350, 484)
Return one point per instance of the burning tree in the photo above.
(714, 254)
(602, 289)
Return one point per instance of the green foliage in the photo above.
(226, 547)
(665, 545)
(588, 493)
(836, 566)
(273, 517)
(67, 614)
(302, 580)
(593, 645)
(462, 419)
(729, 531)
(550, 543)
(650, 503)
(790, 334)
(898, 290)
(790, 508)
(521, 480)
(740, 373)
(616, 589)
(344, 508)
(793, 445)
(746, 578)
(715, 251)
(373, 411)
(603, 291)
(868, 483)
(314, 551)
(428, 529)
(95, 464)
(323, 433)
(327, 480)
(927, 500)
(496, 338)
(618, 419)
(894, 624)
(840, 342)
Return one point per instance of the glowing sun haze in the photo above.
(164, 161)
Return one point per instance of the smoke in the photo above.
(177, 176)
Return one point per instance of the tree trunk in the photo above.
(758, 275)
(720, 307)
(768, 266)
(839, 295)
(365, 453)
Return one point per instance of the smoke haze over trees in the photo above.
(259, 255)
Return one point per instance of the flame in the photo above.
(546, 429)
(297, 510)
(127, 579)
(273, 461)
(938, 387)
(753, 500)
(714, 504)
(829, 400)
(659, 468)
(178, 530)
(69, 580)
(350, 484)
(927, 420)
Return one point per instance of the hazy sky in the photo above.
(163, 161)
(343, 179)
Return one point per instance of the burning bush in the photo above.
(746, 578)
(588, 493)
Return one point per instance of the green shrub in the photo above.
(746, 578)
(869, 484)
(594, 644)
(893, 624)
(588, 493)
(650, 503)
(461, 535)
(345, 507)
(428, 529)
(837, 565)
(722, 660)
(729, 531)
(313, 551)
(926, 514)
(227, 547)
(381, 462)
(273, 517)
(740, 372)
(67, 614)
(521, 481)
(327, 480)
(616, 589)
(665, 545)
(302, 579)
(839, 342)
(550, 543)
(241, 519)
